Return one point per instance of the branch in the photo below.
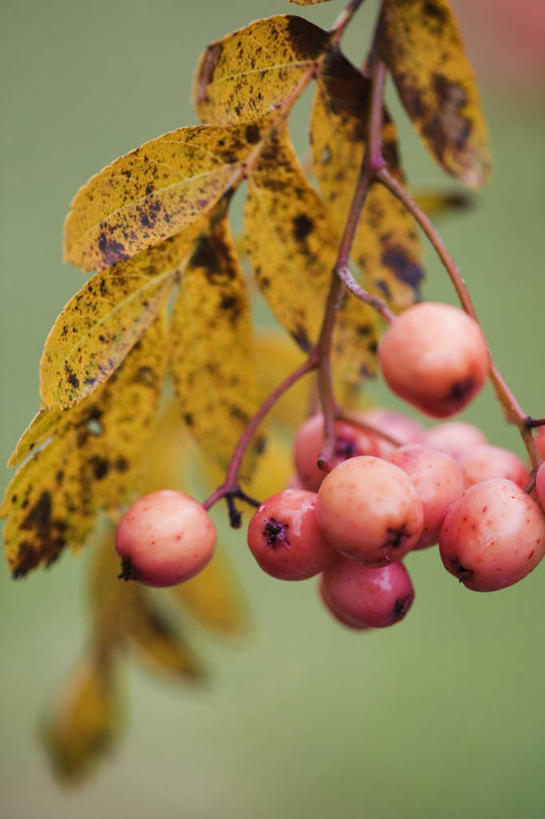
(513, 409)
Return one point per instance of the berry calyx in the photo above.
(434, 356)
(454, 437)
(362, 597)
(438, 481)
(285, 539)
(369, 510)
(485, 462)
(492, 536)
(350, 441)
(164, 538)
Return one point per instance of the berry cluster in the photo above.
(392, 486)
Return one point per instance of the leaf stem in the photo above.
(511, 406)
(344, 19)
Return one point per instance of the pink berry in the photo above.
(401, 428)
(164, 539)
(438, 481)
(362, 597)
(349, 441)
(369, 510)
(540, 441)
(492, 536)
(435, 357)
(485, 462)
(337, 614)
(540, 485)
(454, 437)
(285, 539)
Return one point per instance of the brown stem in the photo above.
(344, 19)
(356, 420)
(512, 408)
(371, 299)
(230, 488)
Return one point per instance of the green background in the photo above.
(443, 715)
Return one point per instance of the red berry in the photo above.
(540, 485)
(438, 481)
(540, 441)
(435, 357)
(369, 510)
(285, 539)
(164, 539)
(339, 615)
(362, 597)
(485, 462)
(400, 427)
(349, 441)
(454, 437)
(492, 536)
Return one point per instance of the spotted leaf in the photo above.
(421, 43)
(386, 246)
(256, 69)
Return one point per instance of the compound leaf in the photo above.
(153, 193)
(386, 245)
(254, 70)
(421, 43)
(211, 345)
(87, 462)
(85, 720)
(104, 320)
(44, 424)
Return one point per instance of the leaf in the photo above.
(282, 357)
(163, 456)
(158, 641)
(437, 204)
(255, 69)
(211, 345)
(386, 246)
(44, 424)
(104, 320)
(88, 462)
(421, 43)
(214, 597)
(85, 721)
(293, 252)
(154, 192)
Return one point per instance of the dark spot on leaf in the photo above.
(252, 134)
(71, 377)
(121, 464)
(111, 250)
(100, 467)
(302, 226)
(402, 266)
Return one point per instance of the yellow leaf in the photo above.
(437, 204)
(386, 246)
(293, 251)
(153, 193)
(421, 43)
(214, 597)
(163, 454)
(211, 345)
(254, 70)
(85, 720)
(88, 462)
(158, 641)
(44, 424)
(102, 322)
(282, 356)
(274, 469)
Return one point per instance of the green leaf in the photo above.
(421, 43)
(255, 69)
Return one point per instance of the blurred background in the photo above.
(444, 714)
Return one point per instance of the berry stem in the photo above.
(356, 420)
(344, 19)
(507, 399)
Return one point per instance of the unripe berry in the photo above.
(492, 536)
(485, 462)
(368, 510)
(435, 357)
(164, 539)
(309, 440)
(540, 485)
(285, 539)
(362, 597)
(400, 427)
(454, 437)
(438, 481)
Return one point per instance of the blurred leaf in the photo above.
(85, 721)
(158, 641)
(88, 462)
(153, 193)
(211, 345)
(421, 43)
(214, 597)
(253, 70)
(104, 320)
(163, 454)
(43, 426)
(283, 356)
(436, 203)
(386, 246)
